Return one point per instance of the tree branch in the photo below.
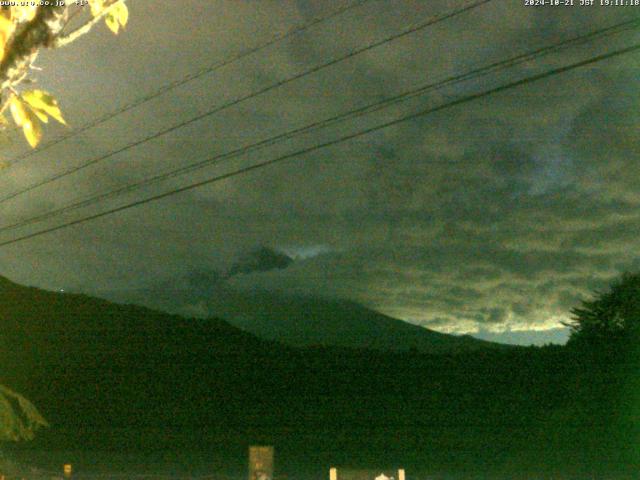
(64, 40)
(27, 40)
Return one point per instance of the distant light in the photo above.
(67, 469)
(62, 290)
(333, 474)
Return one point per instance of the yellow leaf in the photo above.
(41, 115)
(112, 22)
(122, 13)
(18, 111)
(32, 131)
(96, 7)
(27, 119)
(117, 17)
(43, 102)
(6, 25)
(6, 29)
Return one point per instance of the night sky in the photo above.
(496, 216)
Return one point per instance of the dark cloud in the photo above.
(497, 215)
(262, 259)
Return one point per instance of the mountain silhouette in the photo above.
(120, 377)
(295, 320)
(304, 321)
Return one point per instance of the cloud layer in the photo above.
(497, 215)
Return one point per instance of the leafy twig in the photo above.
(64, 40)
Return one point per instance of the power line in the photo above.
(493, 67)
(459, 101)
(432, 21)
(190, 77)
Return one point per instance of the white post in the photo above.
(260, 463)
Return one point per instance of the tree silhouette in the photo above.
(19, 419)
(611, 319)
